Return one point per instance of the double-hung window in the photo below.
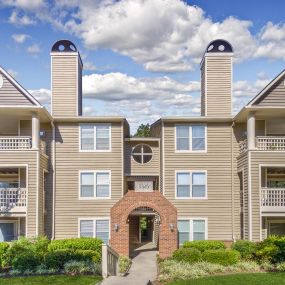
(191, 138)
(191, 229)
(95, 184)
(95, 137)
(97, 227)
(191, 184)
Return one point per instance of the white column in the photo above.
(35, 131)
(251, 131)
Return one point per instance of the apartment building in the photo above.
(216, 176)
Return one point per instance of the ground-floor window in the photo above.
(95, 227)
(8, 231)
(190, 229)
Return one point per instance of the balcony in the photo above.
(273, 199)
(15, 143)
(12, 200)
(265, 143)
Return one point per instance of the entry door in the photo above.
(7, 231)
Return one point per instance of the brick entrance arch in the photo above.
(154, 200)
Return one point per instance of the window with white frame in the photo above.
(191, 137)
(95, 137)
(95, 184)
(191, 184)
(191, 229)
(97, 227)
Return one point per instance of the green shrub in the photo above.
(189, 255)
(124, 263)
(280, 266)
(271, 249)
(203, 245)
(221, 256)
(76, 244)
(56, 259)
(3, 249)
(246, 248)
(37, 246)
(74, 267)
(27, 261)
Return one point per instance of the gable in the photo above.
(11, 93)
(273, 95)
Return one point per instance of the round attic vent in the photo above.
(219, 46)
(63, 46)
(1, 81)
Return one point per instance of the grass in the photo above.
(237, 279)
(51, 280)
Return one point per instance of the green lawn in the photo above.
(51, 280)
(237, 279)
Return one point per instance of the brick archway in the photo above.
(156, 201)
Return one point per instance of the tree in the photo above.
(143, 131)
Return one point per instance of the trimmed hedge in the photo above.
(189, 255)
(221, 256)
(246, 248)
(76, 244)
(203, 245)
(27, 261)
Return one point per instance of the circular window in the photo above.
(142, 153)
(1, 81)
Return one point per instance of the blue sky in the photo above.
(142, 58)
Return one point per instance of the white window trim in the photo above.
(190, 139)
(94, 172)
(94, 219)
(95, 131)
(191, 172)
(190, 220)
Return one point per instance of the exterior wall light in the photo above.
(116, 227)
(171, 227)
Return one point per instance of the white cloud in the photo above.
(24, 4)
(163, 35)
(21, 20)
(88, 65)
(34, 49)
(42, 95)
(20, 38)
(13, 73)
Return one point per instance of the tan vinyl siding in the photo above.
(14, 158)
(26, 128)
(134, 168)
(64, 85)
(275, 96)
(258, 158)
(69, 161)
(10, 95)
(217, 162)
(218, 86)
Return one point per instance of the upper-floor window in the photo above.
(191, 184)
(95, 184)
(95, 137)
(142, 153)
(191, 138)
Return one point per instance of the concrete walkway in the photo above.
(143, 268)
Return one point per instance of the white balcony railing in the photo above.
(273, 199)
(270, 143)
(12, 198)
(15, 143)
